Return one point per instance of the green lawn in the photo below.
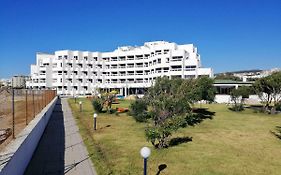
(230, 143)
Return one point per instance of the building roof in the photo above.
(231, 82)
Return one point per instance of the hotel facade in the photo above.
(130, 70)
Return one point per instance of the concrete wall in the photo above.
(222, 98)
(19, 152)
(253, 99)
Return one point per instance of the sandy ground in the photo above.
(24, 112)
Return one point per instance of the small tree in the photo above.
(276, 89)
(206, 90)
(108, 99)
(238, 96)
(264, 90)
(269, 90)
(169, 101)
(138, 109)
(97, 105)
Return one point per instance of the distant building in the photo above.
(5, 82)
(251, 75)
(224, 87)
(130, 70)
(19, 81)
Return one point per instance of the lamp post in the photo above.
(145, 153)
(95, 121)
(75, 97)
(80, 105)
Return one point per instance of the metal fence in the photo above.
(18, 107)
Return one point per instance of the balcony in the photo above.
(175, 70)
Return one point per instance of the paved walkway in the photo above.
(61, 149)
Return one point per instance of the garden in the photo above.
(201, 139)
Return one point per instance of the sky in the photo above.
(230, 34)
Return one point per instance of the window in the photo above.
(177, 58)
(189, 76)
(190, 68)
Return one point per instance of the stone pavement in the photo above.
(61, 149)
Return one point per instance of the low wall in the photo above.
(221, 98)
(16, 156)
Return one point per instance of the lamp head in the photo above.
(95, 115)
(145, 152)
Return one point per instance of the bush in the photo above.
(278, 106)
(237, 107)
(97, 105)
(138, 109)
(111, 111)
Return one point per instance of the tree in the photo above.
(276, 86)
(206, 90)
(108, 99)
(269, 90)
(97, 105)
(169, 102)
(238, 96)
(139, 110)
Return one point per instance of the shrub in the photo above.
(138, 109)
(237, 107)
(278, 106)
(97, 105)
(111, 111)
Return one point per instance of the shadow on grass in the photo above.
(236, 110)
(107, 126)
(161, 168)
(199, 115)
(277, 132)
(179, 140)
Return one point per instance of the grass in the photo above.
(230, 143)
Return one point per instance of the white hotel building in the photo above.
(130, 70)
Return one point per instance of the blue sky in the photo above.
(230, 34)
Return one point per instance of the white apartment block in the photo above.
(130, 70)
(19, 81)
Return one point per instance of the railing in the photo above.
(18, 107)
(179, 69)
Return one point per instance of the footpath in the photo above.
(61, 149)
